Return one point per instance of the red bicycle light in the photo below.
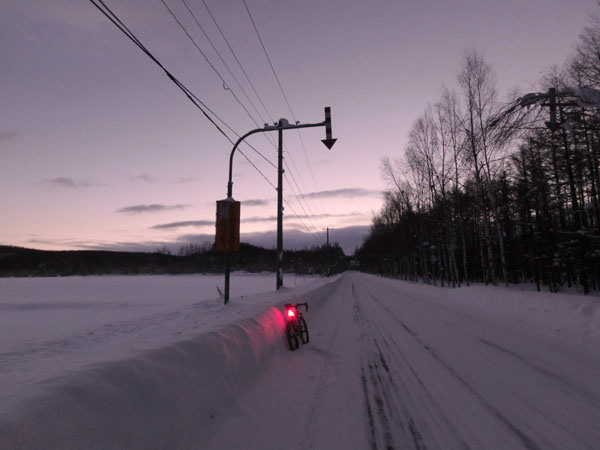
(291, 313)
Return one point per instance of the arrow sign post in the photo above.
(281, 126)
(328, 141)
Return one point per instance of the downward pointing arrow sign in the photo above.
(328, 141)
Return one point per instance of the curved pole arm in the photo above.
(239, 141)
(258, 130)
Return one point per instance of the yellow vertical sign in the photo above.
(227, 236)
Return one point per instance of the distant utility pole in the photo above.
(280, 126)
(328, 230)
(328, 254)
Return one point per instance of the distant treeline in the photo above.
(499, 192)
(23, 262)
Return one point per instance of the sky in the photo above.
(100, 150)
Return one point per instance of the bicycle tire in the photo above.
(303, 331)
(291, 333)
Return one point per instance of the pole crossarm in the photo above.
(528, 107)
(283, 125)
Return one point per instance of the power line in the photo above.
(224, 62)
(238, 62)
(301, 198)
(271, 140)
(189, 94)
(268, 58)
(282, 91)
(225, 86)
(121, 26)
(247, 78)
(268, 137)
(298, 198)
(218, 74)
(195, 100)
(312, 235)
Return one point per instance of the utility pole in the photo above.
(329, 256)
(282, 125)
(328, 230)
(279, 274)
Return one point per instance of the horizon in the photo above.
(351, 238)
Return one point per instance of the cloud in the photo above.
(348, 238)
(255, 202)
(186, 223)
(205, 223)
(146, 177)
(69, 183)
(141, 209)
(344, 193)
(289, 216)
(353, 214)
(97, 245)
(257, 219)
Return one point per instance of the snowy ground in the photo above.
(108, 363)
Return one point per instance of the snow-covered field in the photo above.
(51, 326)
(157, 362)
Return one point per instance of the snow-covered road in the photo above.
(389, 365)
(393, 365)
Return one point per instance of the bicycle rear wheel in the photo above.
(291, 332)
(303, 331)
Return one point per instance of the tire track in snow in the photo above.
(402, 392)
(387, 412)
(327, 373)
(559, 382)
(564, 382)
(374, 392)
(370, 417)
(524, 438)
(357, 319)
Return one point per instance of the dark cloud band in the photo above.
(344, 193)
(186, 223)
(142, 209)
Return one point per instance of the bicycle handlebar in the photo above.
(297, 305)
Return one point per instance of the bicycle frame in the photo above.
(295, 327)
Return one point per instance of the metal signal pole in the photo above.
(279, 275)
(283, 124)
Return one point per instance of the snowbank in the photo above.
(571, 315)
(160, 399)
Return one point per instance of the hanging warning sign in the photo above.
(227, 236)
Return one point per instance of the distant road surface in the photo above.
(390, 365)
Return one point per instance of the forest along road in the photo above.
(390, 365)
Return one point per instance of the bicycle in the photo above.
(295, 327)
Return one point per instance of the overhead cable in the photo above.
(225, 86)
(281, 89)
(104, 9)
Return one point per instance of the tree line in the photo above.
(192, 258)
(498, 191)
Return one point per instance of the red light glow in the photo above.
(291, 313)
